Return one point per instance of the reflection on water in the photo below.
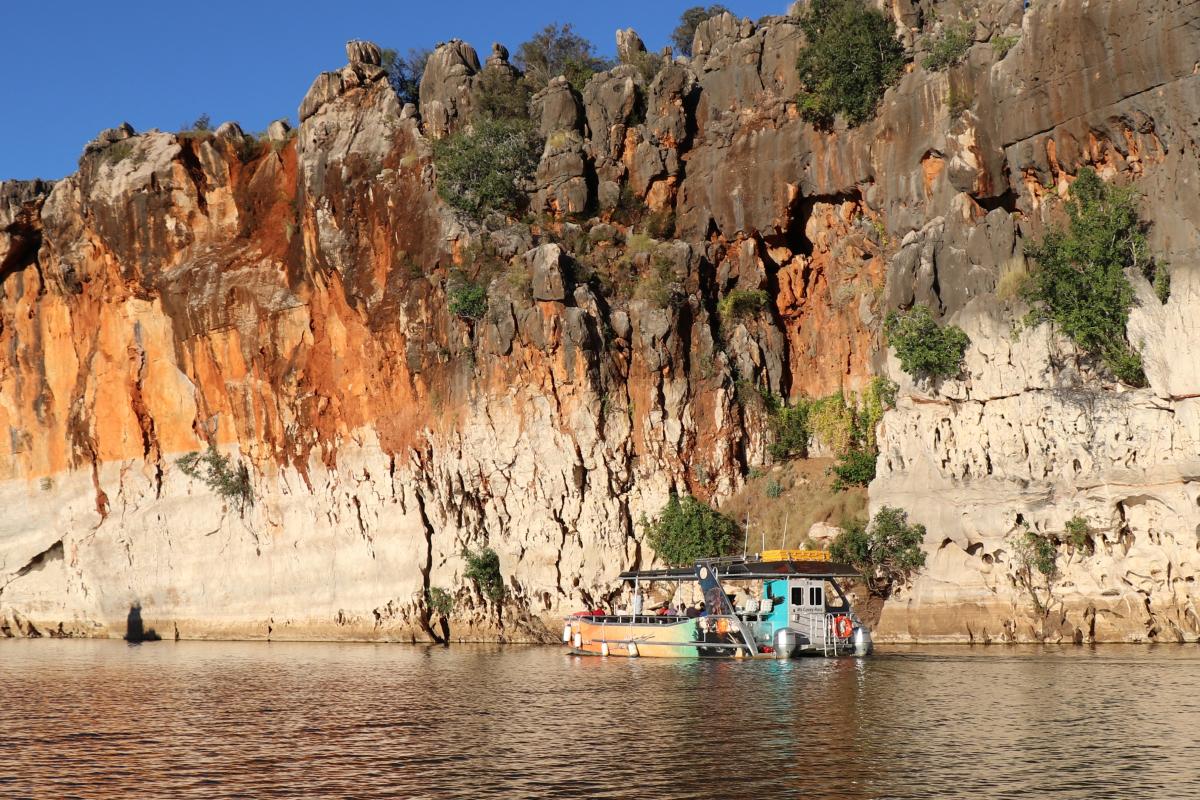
(190, 719)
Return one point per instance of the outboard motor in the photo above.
(862, 641)
(786, 641)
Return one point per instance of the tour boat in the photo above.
(789, 604)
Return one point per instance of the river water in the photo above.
(101, 719)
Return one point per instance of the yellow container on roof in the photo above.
(795, 555)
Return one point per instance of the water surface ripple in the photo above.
(98, 719)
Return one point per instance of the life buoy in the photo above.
(843, 627)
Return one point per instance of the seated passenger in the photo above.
(693, 611)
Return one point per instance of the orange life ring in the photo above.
(843, 627)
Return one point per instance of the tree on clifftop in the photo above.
(404, 73)
(558, 50)
(685, 32)
(850, 57)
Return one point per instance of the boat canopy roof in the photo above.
(746, 569)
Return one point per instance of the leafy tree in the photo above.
(685, 32)
(1080, 283)
(483, 568)
(202, 123)
(478, 169)
(226, 479)
(926, 349)
(404, 73)
(1035, 553)
(850, 57)
(558, 50)
(887, 551)
(687, 530)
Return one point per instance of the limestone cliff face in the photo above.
(288, 300)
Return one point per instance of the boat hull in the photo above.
(651, 637)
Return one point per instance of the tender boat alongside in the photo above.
(792, 606)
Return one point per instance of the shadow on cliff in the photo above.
(135, 630)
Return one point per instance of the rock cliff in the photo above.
(287, 299)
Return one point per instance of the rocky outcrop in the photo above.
(446, 87)
(295, 305)
(364, 68)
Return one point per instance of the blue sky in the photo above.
(75, 68)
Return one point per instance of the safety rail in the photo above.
(832, 638)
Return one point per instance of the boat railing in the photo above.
(832, 641)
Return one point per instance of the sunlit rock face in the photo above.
(289, 300)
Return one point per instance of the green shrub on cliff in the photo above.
(886, 552)
(850, 57)
(479, 171)
(657, 283)
(498, 94)
(483, 568)
(856, 467)
(468, 300)
(1079, 534)
(790, 424)
(1002, 44)
(742, 304)
(1080, 283)
(926, 349)
(687, 529)
(226, 479)
(845, 426)
(439, 600)
(949, 47)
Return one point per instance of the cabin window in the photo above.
(816, 596)
(797, 595)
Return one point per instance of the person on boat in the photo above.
(692, 611)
